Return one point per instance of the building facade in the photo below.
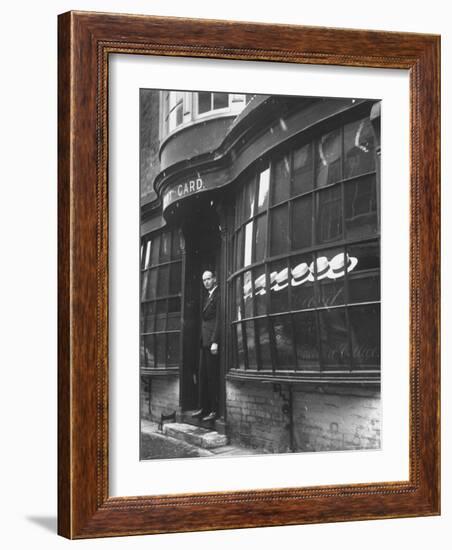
(278, 195)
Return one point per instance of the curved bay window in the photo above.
(304, 291)
(161, 283)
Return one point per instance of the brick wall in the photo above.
(159, 395)
(325, 418)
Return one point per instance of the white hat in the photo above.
(340, 264)
(323, 268)
(282, 280)
(300, 274)
(259, 284)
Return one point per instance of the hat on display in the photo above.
(300, 274)
(259, 285)
(282, 280)
(323, 268)
(340, 264)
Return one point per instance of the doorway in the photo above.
(201, 230)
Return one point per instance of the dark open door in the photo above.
(203, 251)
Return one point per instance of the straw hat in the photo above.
(323, 268)
(340, 264)
(300, 274)
(282, 280)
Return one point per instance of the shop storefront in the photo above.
(280, 197)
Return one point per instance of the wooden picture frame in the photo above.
(86, 40)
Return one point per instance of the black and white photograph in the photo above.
(259, 274)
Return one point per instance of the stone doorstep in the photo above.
(201, 437)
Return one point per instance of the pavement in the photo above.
(174, 444)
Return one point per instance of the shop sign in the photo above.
(184, 189)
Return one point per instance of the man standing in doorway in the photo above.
(208, 365)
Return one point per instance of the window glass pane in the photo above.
(160, 322)
(173, 322)
(307, 345)
(147, 256)
(148, 314)
(328, 163)
(279, 242)
(263, 338)
(264, 184)
(279, 286)
(238, 308)
(144, 284)
(251, 345)
(173, 350)
(302, 282)
(149, 351)
(282, 330)
(329, 217)
(151, 287)
(240, 346)
(248, 243)
(142, 354)
(260, 243)
(220, 101)
(302, 223)
(361, 207)
(363, 274)
(302, 170)
(160, 307)
(281, 180)
(174, 305)
(177, 245)
(333, 337)
(365, 332)
(179, 114)
(248, 293)
(249, 199)
(160, 350)
(175, 278)
(332, 282)
(239, 207)
(165, 247)
(163, 281)
(239, 249)
(155, 250)
(359, 144)
(204, 102)
(260, 290)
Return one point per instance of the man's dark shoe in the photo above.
(198, 414)
(211, 416)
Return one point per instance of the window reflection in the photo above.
(279, 242)
(364, 281)
(279, 286)
(281, 180)
(248, 293)
(365, 335)
(302, 223)
(333, 337)
(248, 243)
(263, 339)
(264, 184)
(251, 345)
(302, 170)
(283, 335)
(359, 148)
(307, 346)
(328, 167)
(361, 207)
(329, 223)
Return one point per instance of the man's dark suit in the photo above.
(208, 365)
